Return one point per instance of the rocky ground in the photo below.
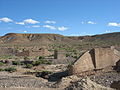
(30, 83)
(107, 79)
(8, 80)
(20, 81)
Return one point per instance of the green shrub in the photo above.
(1, 69)
(16, 62)
(38, 62)
(48, 72)
(49, 62)
(10, 69)
(29, 65)
(26, 59)
(42, 61)
(75, 57)
(67, 55)
(1, 63)
(41, 57)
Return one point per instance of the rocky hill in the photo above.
(103, 39)
(33, 38)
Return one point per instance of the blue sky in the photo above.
(66, 17)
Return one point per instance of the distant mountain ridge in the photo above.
(56, 38)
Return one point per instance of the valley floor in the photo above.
(20, 81)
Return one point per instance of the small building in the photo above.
(39, 52)
(59, 54)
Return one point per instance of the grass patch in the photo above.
(6, 57)
(38, 62)
(29, 65)
(10, 69)
(16, 62)
(1, 63)
(1, 69)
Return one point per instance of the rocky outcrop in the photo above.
(75, 83)
(86, 84)
(95, 59)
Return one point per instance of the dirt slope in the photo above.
(15, 38)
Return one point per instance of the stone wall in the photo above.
(6, 51)
(104, 57)
(40, 52)
(84, 63)
(95, 59)
(24, 53)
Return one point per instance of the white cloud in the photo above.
(25, 31)
(91, 22)
(107, 31)
(36, 26)
(62, 28)
(5, 19)
(31, 21)
(49, 26)
(20, 23)
(50, 22)
(114, 24)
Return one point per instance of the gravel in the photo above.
(21, 81)
(106, 79)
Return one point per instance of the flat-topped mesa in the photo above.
(95, 59)
(32, 38)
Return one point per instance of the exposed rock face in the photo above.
(97, 58)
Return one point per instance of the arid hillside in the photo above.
(34, 38)
(56, 41)
(56, 38)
